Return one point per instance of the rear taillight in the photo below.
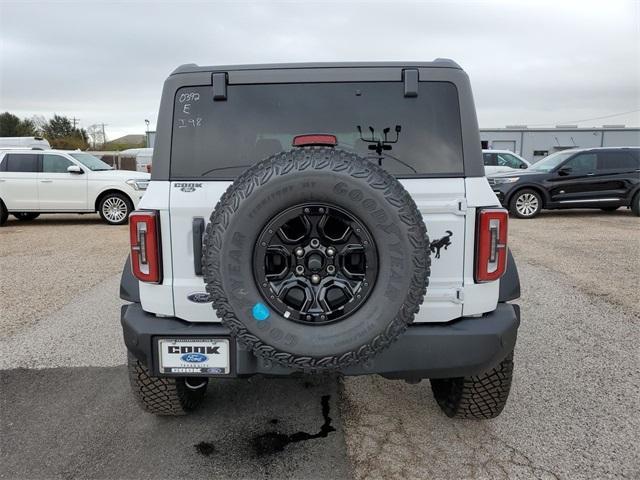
(144, 233)
(491, 244)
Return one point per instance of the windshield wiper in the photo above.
(382, 155)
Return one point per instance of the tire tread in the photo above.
(161, 395)
(477, 397)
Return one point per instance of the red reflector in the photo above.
(144, 235)
(148, 168)
(491, 244)
(316, 139)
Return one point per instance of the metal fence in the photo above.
(117, 160)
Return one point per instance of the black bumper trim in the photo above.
(463, 347)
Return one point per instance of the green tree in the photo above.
(58, 127)
(59, 130)
(69, 143)
(12, 126)
(60, 133)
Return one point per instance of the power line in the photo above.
(584, 119)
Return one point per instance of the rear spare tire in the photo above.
(316, 259)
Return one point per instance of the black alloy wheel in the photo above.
(315, 263)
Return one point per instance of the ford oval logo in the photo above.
(194, 358)
(199, 297)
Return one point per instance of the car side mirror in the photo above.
(565, 171)
(524, 166)
(74, 169)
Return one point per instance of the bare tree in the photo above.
(40, 123)
(96, 134)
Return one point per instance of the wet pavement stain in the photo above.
(205, 448)
(271, 443)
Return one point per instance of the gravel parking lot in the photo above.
(573, 411)
(49, 261)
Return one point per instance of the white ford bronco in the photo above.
(311, 218)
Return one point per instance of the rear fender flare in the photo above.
(510, 281)
(129, 285)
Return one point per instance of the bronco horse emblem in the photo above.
(443, 242)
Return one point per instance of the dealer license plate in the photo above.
(199, 356)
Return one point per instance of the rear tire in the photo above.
(163, 395)
(114, 208)
(480, 397)
(26, 216)
(635, 205)
(526, 203)
(3, 213)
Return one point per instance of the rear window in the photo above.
(619, 160)
(220, 139)
(20, 162)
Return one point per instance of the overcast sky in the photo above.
(535, 63)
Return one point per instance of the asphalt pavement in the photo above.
(79, 419)
(81, 422)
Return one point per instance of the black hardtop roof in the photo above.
(437, 63)
(220, 76)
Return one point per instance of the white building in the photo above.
(536, 143)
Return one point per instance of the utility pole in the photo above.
(104, 136)
(75, 120)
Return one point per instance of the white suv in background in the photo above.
(499, 161)
(60, 181)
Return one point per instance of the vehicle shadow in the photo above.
(86, 423)
(584, 212)
(48, 220)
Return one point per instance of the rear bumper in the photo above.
(463, 347)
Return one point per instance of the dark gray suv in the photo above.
(604, 178)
